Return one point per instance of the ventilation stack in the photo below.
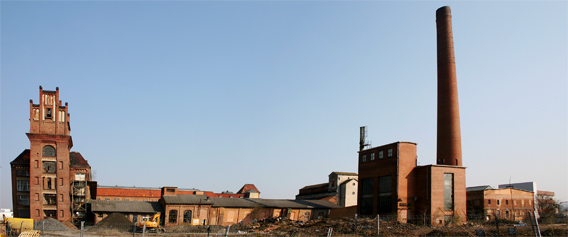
(448, 150)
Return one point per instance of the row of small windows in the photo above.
(380, 154)
(173, 216)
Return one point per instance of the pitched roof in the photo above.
(247, 188)
(77, 160)
(478, 188)
(125, 206)
(23, 158)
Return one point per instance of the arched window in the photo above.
(187, 216)
(173, 216)
(48, 151)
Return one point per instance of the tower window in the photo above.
(380, 154)
(389, 152)
(373, 156)
(364, 158)
(48, 151)
(48, 113)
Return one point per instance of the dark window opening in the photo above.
(385, 194)
(50, 213)
(187, 216)
(49, 199)
(367, 197)
(48, 113)
(23, 200)
(173, 216)
(48, 151)
(49, 167)
(24, 173)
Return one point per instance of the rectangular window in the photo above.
(48, 113)
(364, 158)
(61, 197)
(49, 167)
(60, 181)
(385, 194)
(80, 176)
(23, 200)
(23, 185)
(389, 152)
(380, 154)
(367, 196)
(489, 201)
(23, 173)
(373, 156)
(448, 191)
(60, 165)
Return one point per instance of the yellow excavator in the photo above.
(152, 223)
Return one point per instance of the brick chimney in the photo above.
(448, 150)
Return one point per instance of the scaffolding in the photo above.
(79, 201)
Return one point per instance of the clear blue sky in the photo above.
(214, 95)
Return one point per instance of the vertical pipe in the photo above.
(448, 134)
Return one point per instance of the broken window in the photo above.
(48, 113)
(187, 216)
(173, 216)
(50, 213)
(49, 167)
(49, 199)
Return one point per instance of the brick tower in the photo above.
(448, 150)
(49, 160)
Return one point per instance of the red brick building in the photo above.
(390, 182)
(486, 203)
(146, 194)
(48, 178)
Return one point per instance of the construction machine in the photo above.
(152, 223)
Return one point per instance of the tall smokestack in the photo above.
(449, 135)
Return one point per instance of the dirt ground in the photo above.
(343, 227)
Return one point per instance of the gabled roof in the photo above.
(478, 188)
(248, 188)
(77, 160)
(23, 158)
(125, 206)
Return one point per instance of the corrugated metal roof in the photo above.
(125, 206)
(186, 199)
(478, 188)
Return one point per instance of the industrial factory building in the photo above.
(390, 179)
(48, 180)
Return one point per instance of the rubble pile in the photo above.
(213, 229)
(50, 224)
(115, 222)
